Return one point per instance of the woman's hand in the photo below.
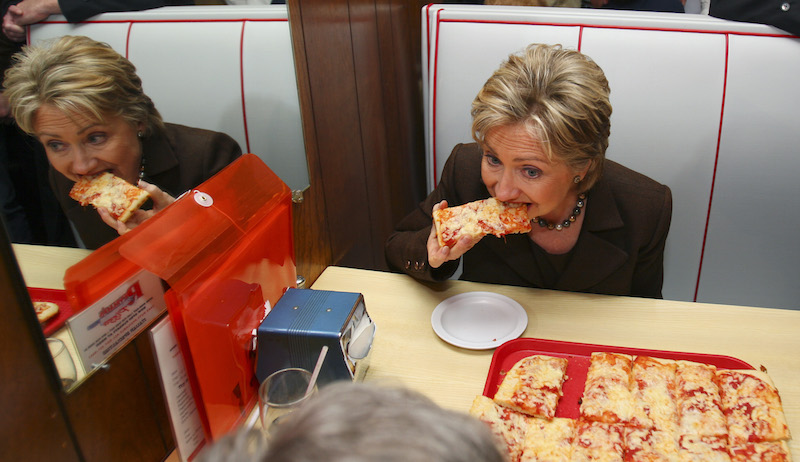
(438, 255)
(160, 201)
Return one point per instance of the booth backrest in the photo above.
(224, 68)
(703, 105)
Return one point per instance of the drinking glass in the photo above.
(63, 360)
(281, 393)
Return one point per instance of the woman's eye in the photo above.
(96, 138)
(55, 146)
(491, 160)
(531, 172)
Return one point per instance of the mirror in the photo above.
(225, 68)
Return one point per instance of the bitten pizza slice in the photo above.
(479, 218)
(752, 407)
(695, 448)
(607, 395)
(548, 440)
(773, 451)
(597, 441)
(648, 445)
(533, 385)
(106, 190)
(654, 390)
(508, 426)
(698, 400)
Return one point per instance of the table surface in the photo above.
(407, 351)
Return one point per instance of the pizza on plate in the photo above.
(480, 218)
(112, 192)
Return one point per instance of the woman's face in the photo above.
(516, 169)
(78, 145)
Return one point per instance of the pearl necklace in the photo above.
(564, 224)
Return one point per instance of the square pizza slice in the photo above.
(607, 394)
(533, 385)
(654, 389)
(479, 218)
(597, 441)
(752, 407)
(548, 440)
(649, 445)
(695, 448)
(507, 426)
(698, 400)
(111, 192)
(771, 451)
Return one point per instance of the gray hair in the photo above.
(356, 422)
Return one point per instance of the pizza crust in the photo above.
(45, 310)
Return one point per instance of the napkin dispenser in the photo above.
(305, 320)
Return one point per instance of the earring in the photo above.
(140, 135)
(577, 179)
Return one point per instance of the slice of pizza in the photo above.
(648, 445)
(479, 218)
(548, 440)
(507, 426)
(597, 441)
(772, 451)
(112, 192)
(695, 448)
(752, 407)
(698, 400)
(45, 310)
(654, 389)
(607, 394)
(533, 385)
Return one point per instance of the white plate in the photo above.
(479, 320)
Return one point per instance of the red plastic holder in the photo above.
(578, 356)
(225, 251)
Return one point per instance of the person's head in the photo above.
(356, 422)
(543, 117)
(84, 102)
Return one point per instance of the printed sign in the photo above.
(187, 428)
(103, 328)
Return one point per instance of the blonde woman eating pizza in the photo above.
(541, 125)
(84, 102)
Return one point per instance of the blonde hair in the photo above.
(77, 75)
(561, 96)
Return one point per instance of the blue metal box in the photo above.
(303, 321)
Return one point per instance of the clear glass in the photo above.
(64, 363)
(281, 393)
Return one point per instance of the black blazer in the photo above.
(620, 249)
(176, 161)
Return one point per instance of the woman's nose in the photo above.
(505, 189)
(82, 163)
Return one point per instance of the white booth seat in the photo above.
(703, 105)
(224, 68)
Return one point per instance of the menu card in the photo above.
(187, 427)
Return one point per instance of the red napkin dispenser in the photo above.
(226, 251)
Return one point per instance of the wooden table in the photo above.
(407, 351)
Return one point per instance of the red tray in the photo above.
(59, 297)
(578, 356)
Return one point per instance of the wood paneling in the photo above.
(358, 67)
(33, 426)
